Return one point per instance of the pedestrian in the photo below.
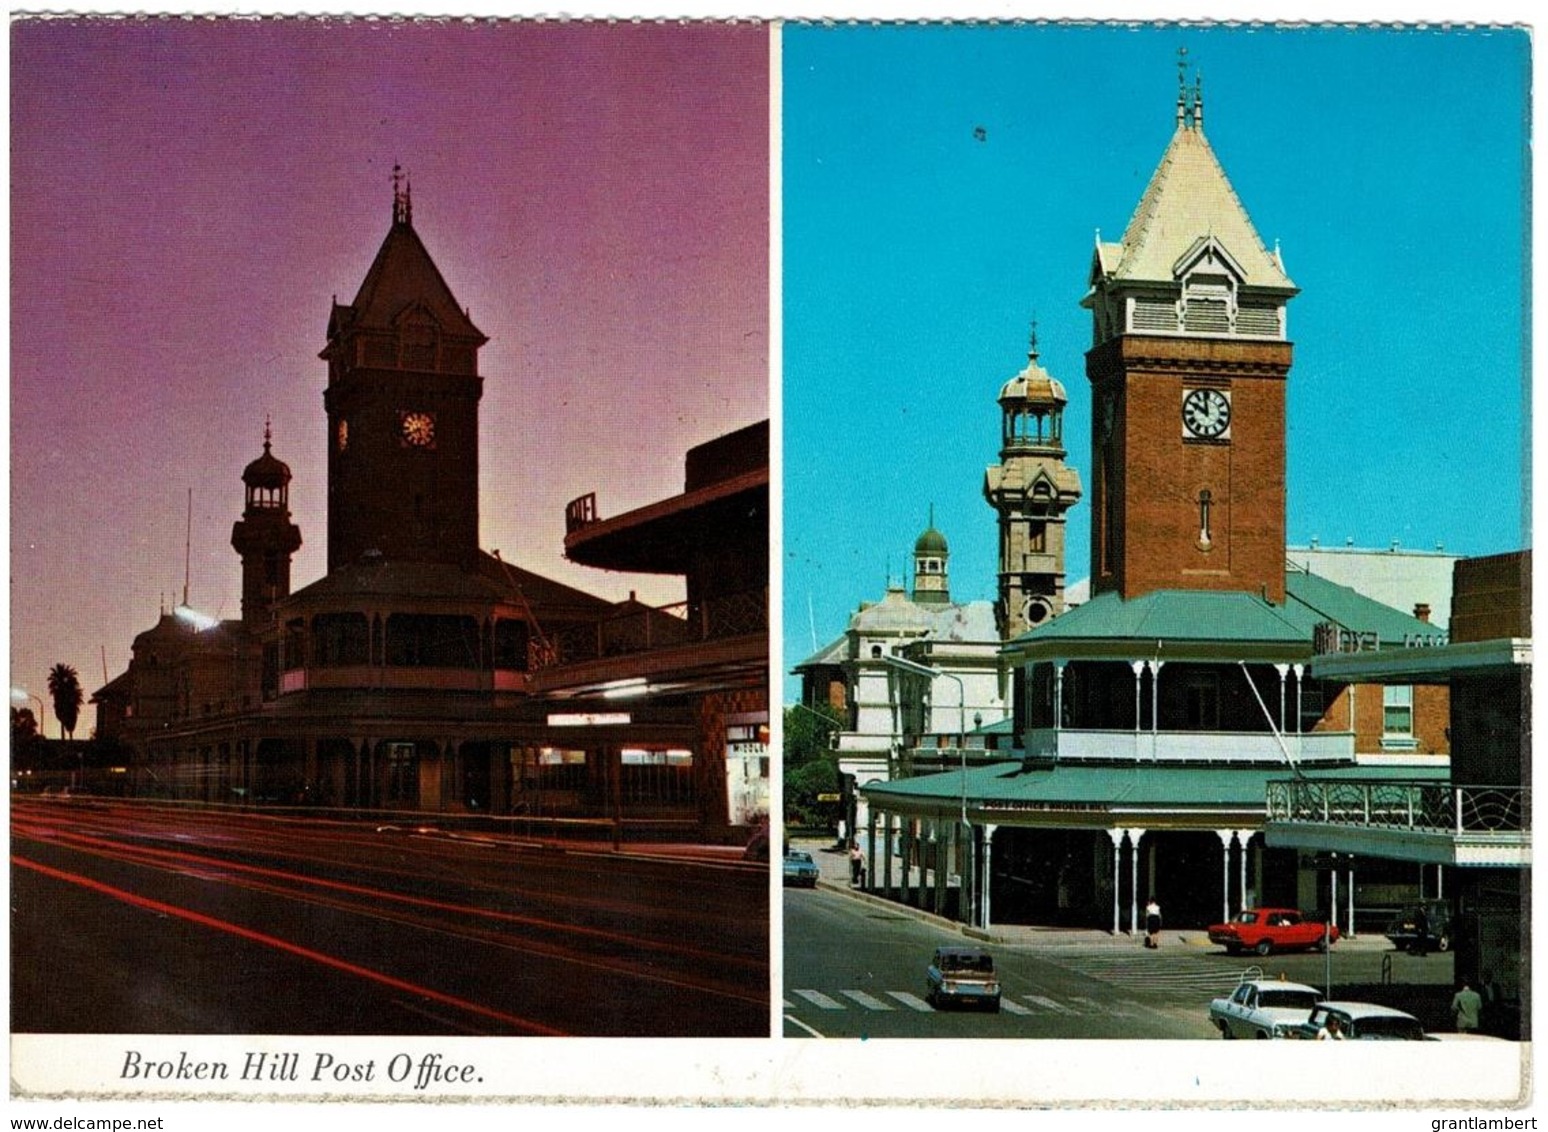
(1421, 944)
(856, 864)
(1466, 1009)
(1332, 1030)
(1153, 924)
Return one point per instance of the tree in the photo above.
(64, 686)
(811, 768)
(24, 728)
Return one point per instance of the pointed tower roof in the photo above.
(1189, 201)
(401, 278)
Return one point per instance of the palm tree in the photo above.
(64, 685)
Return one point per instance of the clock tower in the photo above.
(402, 402)
(1188, 367)
(1031, 489)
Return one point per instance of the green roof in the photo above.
(1209, 622)
(1127, 784)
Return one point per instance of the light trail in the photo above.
(191, 863)
(523, 1025)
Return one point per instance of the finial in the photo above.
(402, 210)
(268, 434)
(1032, 343)
(1198, 100)
(932, 516)
(1182, 84)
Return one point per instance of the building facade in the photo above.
(1148, 721)
(422, 673)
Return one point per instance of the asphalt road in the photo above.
(135, 919)
(856, 968)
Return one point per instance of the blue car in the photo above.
(800, 869)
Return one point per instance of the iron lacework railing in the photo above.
(1425, 807)
(643, 628)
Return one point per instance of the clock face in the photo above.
(1206, 414)
(418, 430)
(343, 434)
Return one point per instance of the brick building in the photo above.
(1149, 720)
(422, 673)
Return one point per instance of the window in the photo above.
(1397, 715)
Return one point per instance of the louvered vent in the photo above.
(1207, 316)
(1154, 314)
(1262, 322)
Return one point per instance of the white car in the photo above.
(1263, 1008)
(1364, 1021)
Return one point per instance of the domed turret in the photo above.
(930, 555)
(264, 536)
(1031, 489)
(267, 478)
(1032, 409)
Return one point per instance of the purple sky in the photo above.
(187, 197)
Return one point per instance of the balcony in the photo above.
(1227, 747)
(1408, 820)
(685, 643)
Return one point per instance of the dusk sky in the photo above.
(943, 187)
(188, 198)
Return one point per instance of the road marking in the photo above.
(820, 1000)
(786, 1004)
(1011, 1006)
(1048, 1004)
(794, 1021)
(913, 1002)
(865, 1000)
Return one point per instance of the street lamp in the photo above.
(21, 696)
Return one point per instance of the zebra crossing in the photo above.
(1138, 971)
(1024, 1004)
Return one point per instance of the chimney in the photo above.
(1422, 611)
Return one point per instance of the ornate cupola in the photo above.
(1188, 366)
(931, 585)
(1031, 489)
(264, 536)
(402, 401)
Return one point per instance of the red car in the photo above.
(1272, 929)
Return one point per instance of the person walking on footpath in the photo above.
(1153, 924)
(1466, 1009)
(856, 864)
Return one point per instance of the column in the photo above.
(985, 874)
(1116, 837)
(1137, 667)
(869, 883)
(1243, 836)
(888, 833)
(1350, 930)
(1155, 694)
(1134, 844)
(1282, 669)
(1058, 671)
(1226, 837)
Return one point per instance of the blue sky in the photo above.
(943, 187)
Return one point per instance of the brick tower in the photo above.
(402, 402)
(1188, 367)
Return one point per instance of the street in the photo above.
(855, 967)
(133, 918)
